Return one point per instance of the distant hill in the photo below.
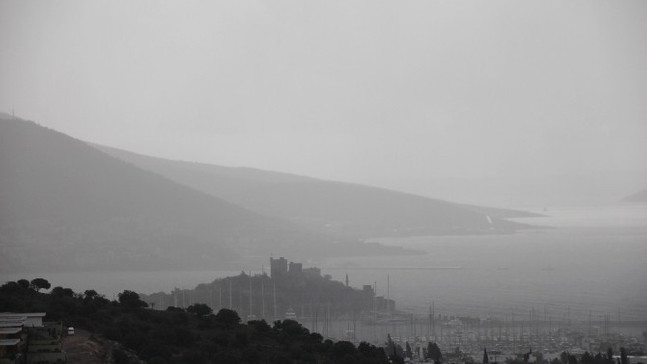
(65, 205)
(637, 197)
(345, 209)
(501, 213)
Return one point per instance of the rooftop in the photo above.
(4, 315)
(12, 324)
(9, 342)
(9, 330)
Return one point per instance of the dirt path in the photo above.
(85, 348)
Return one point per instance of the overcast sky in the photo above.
(501, 103)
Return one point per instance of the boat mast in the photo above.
(388, 294)
(250, 293)
(274, 289)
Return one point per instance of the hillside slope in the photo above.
(345, 209)
(65, 205)
(640, 196)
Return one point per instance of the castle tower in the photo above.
(278, 268)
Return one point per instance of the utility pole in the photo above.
(514, 335)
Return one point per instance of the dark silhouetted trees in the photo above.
(407, 350)
(590, 358)
(623, 356)
(62, 292)
(191, 336)
(227, 317)
(433, 352)
(394, 351)
(131, 299)
(40, 283)
(199, 309)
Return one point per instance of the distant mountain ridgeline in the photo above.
(640, 196)
(344, 209)
(65, 205)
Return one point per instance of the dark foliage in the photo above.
(131, 299)
(228, 318)
(178, 336)
(40, 283)
(589, 358)
(433, 352)
(199, 309)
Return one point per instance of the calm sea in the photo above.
(592, 261)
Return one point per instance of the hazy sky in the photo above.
(504, 103)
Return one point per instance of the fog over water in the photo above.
(591, 262)
(538, 106)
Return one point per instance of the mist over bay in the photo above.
(373, 171)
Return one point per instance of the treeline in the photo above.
(194, 335)
(591, 358)
(306, 293)
(567, 358)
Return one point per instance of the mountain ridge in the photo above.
(347, 209)
(640, 196)
(67, 205)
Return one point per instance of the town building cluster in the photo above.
(25, 338)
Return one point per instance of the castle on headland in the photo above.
(281, 270)
(303, 292)
(292, 274)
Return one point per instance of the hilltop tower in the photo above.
(278, 268)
